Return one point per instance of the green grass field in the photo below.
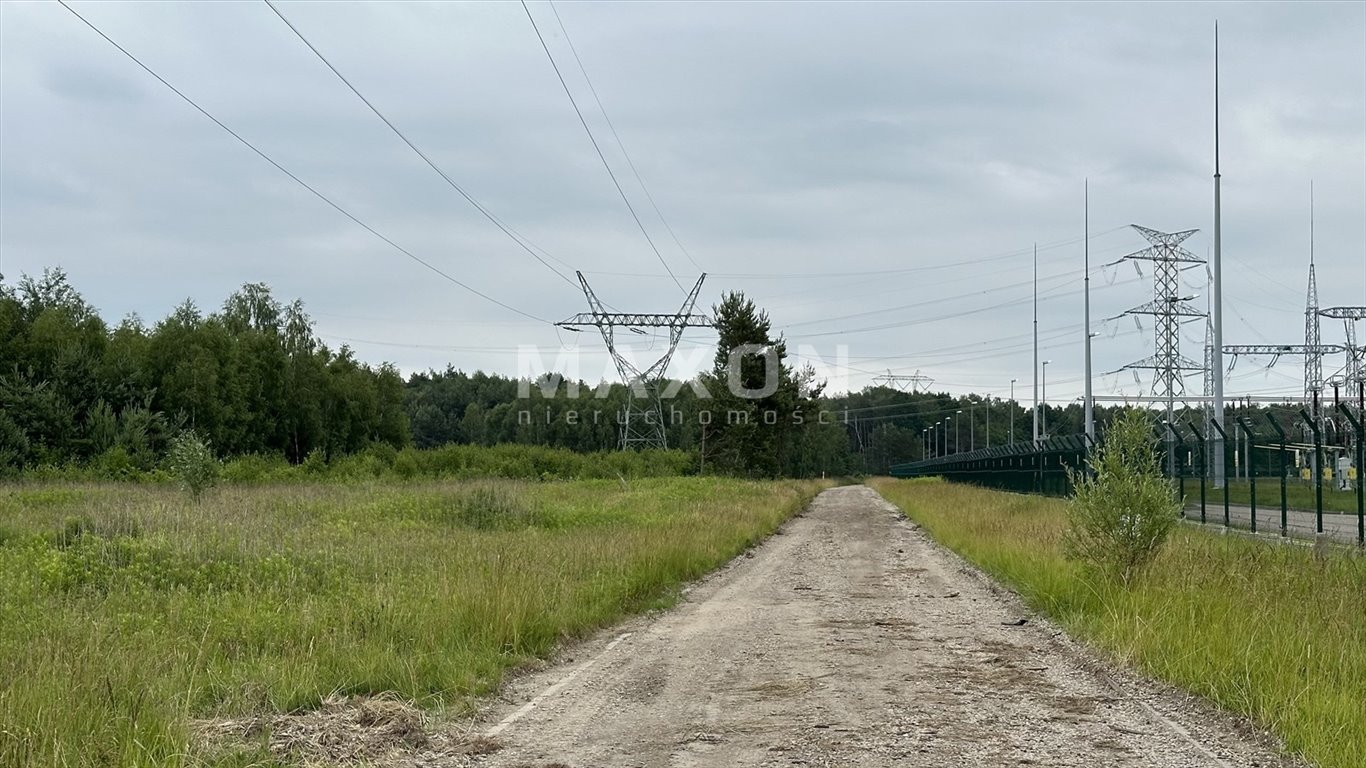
(127, 611)
(1274, 632)
(1298, 495)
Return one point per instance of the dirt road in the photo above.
(849, 639)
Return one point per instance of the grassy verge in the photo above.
(1274, 632)
(126, 610)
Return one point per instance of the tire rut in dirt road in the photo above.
(850, 639)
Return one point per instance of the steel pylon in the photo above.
(1313, 358)
(1168, 309)
(1354, 373)
(642, 421)
(901, 381)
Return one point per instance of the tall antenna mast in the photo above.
(1090, 425)
(1036, 342)
(1217, 309)
(1313, 356)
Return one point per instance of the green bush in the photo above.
(255, 468)
(116, 464)
(316, 462)
(1122, 510)
(382, 453)
(192, 462)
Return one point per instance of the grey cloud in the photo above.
(776, 137)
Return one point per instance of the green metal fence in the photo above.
(1265, 486)
(1024, 467)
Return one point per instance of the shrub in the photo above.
(255, 468)
(1122, 510)
(116, 464)
(315, 463)
(192, 462)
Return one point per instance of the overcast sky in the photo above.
(874, 175)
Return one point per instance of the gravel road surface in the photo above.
(850, 639)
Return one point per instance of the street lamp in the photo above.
(1012, 410)
(959, 413)
(1043, 415)
(924, 445)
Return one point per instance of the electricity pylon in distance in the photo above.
(642, 422)
(1355, 370)
(903, 382)
(1168, 309)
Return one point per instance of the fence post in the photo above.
(1359, 424)
(1223, 437)
(1181, 477)
(1285, 466)
(1250, 469)
(1200, 441)
(1317, 469)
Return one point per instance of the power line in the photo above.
(288, 173)
(598, 149)
(883, 272)
(477, 205)
(1066, 278)
(620, 145)
(949, 316)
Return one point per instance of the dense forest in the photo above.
(253, 379)
(250, 378)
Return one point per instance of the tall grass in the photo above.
(1274, 632)
(383, 462)
(128, 610)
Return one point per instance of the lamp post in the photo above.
(1043, 413)
(924, 445)
(956, 422)
(1012, 410)
(972, 427)
(944, 436)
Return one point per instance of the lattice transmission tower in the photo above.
(1313, 349)
(1168, 309)
(1313, 355)
(904, 382)
(642, 422)
(1354, 372)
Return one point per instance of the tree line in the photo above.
(250, 378)
(253, 378)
